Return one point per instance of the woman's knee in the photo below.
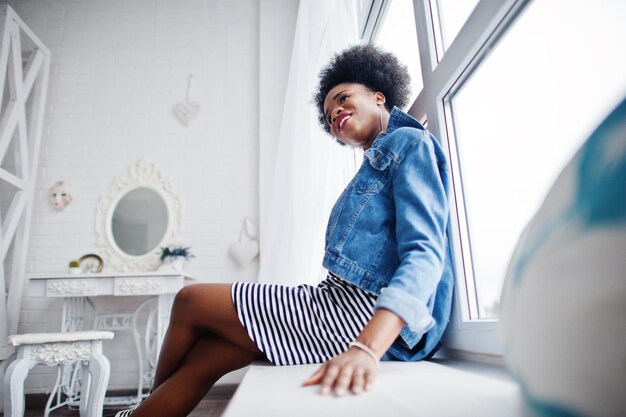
(186, 299)
(209, 308)
(201, 300)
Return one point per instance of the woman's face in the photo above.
(354, 114)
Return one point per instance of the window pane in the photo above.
(452, 15)
(524, 113)
(397, 34)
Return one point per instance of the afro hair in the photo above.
(370, 66)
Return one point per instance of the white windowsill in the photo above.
(437, 388)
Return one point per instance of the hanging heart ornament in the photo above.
(244, 252)
(247, 248)
(188, 110)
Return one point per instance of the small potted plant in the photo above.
(74, 267)
(173, 258)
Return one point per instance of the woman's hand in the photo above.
(353, 370)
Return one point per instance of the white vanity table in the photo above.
(72, 287)
(76, 290)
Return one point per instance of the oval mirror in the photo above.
(139, 221)
(138, 215)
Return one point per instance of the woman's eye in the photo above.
(343, 98)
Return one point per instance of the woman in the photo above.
(388, 292)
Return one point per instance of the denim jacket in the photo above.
(387, 233)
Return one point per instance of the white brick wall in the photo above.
(118, 68)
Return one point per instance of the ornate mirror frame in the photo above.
(145, 174)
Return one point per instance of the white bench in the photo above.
(401, 389)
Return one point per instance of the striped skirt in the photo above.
(304, 324)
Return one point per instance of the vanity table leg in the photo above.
(73, 318)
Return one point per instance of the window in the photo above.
(520, 117)
(514, 97)
(449, 16)
(397, 34)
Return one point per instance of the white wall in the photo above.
(118, 68)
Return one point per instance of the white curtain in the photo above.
(310, 168)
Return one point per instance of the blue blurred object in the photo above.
(564, 298)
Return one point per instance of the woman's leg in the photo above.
(209, 358)
(200, 310)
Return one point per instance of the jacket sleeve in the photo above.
(421, 213)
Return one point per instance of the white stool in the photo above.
(57, 349)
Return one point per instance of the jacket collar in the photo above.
(397, 119)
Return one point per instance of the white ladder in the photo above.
(24, 67)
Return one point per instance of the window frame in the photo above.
(442, 77)
(370, 16)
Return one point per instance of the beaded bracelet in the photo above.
(365, 349)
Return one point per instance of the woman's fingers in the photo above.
(343, 381)
(358, 381)
(332, 371)
(367, 382)
(316, 378)
(352, 371)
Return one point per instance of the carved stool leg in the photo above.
(14, 386)
(4, 366)
(99, 371)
